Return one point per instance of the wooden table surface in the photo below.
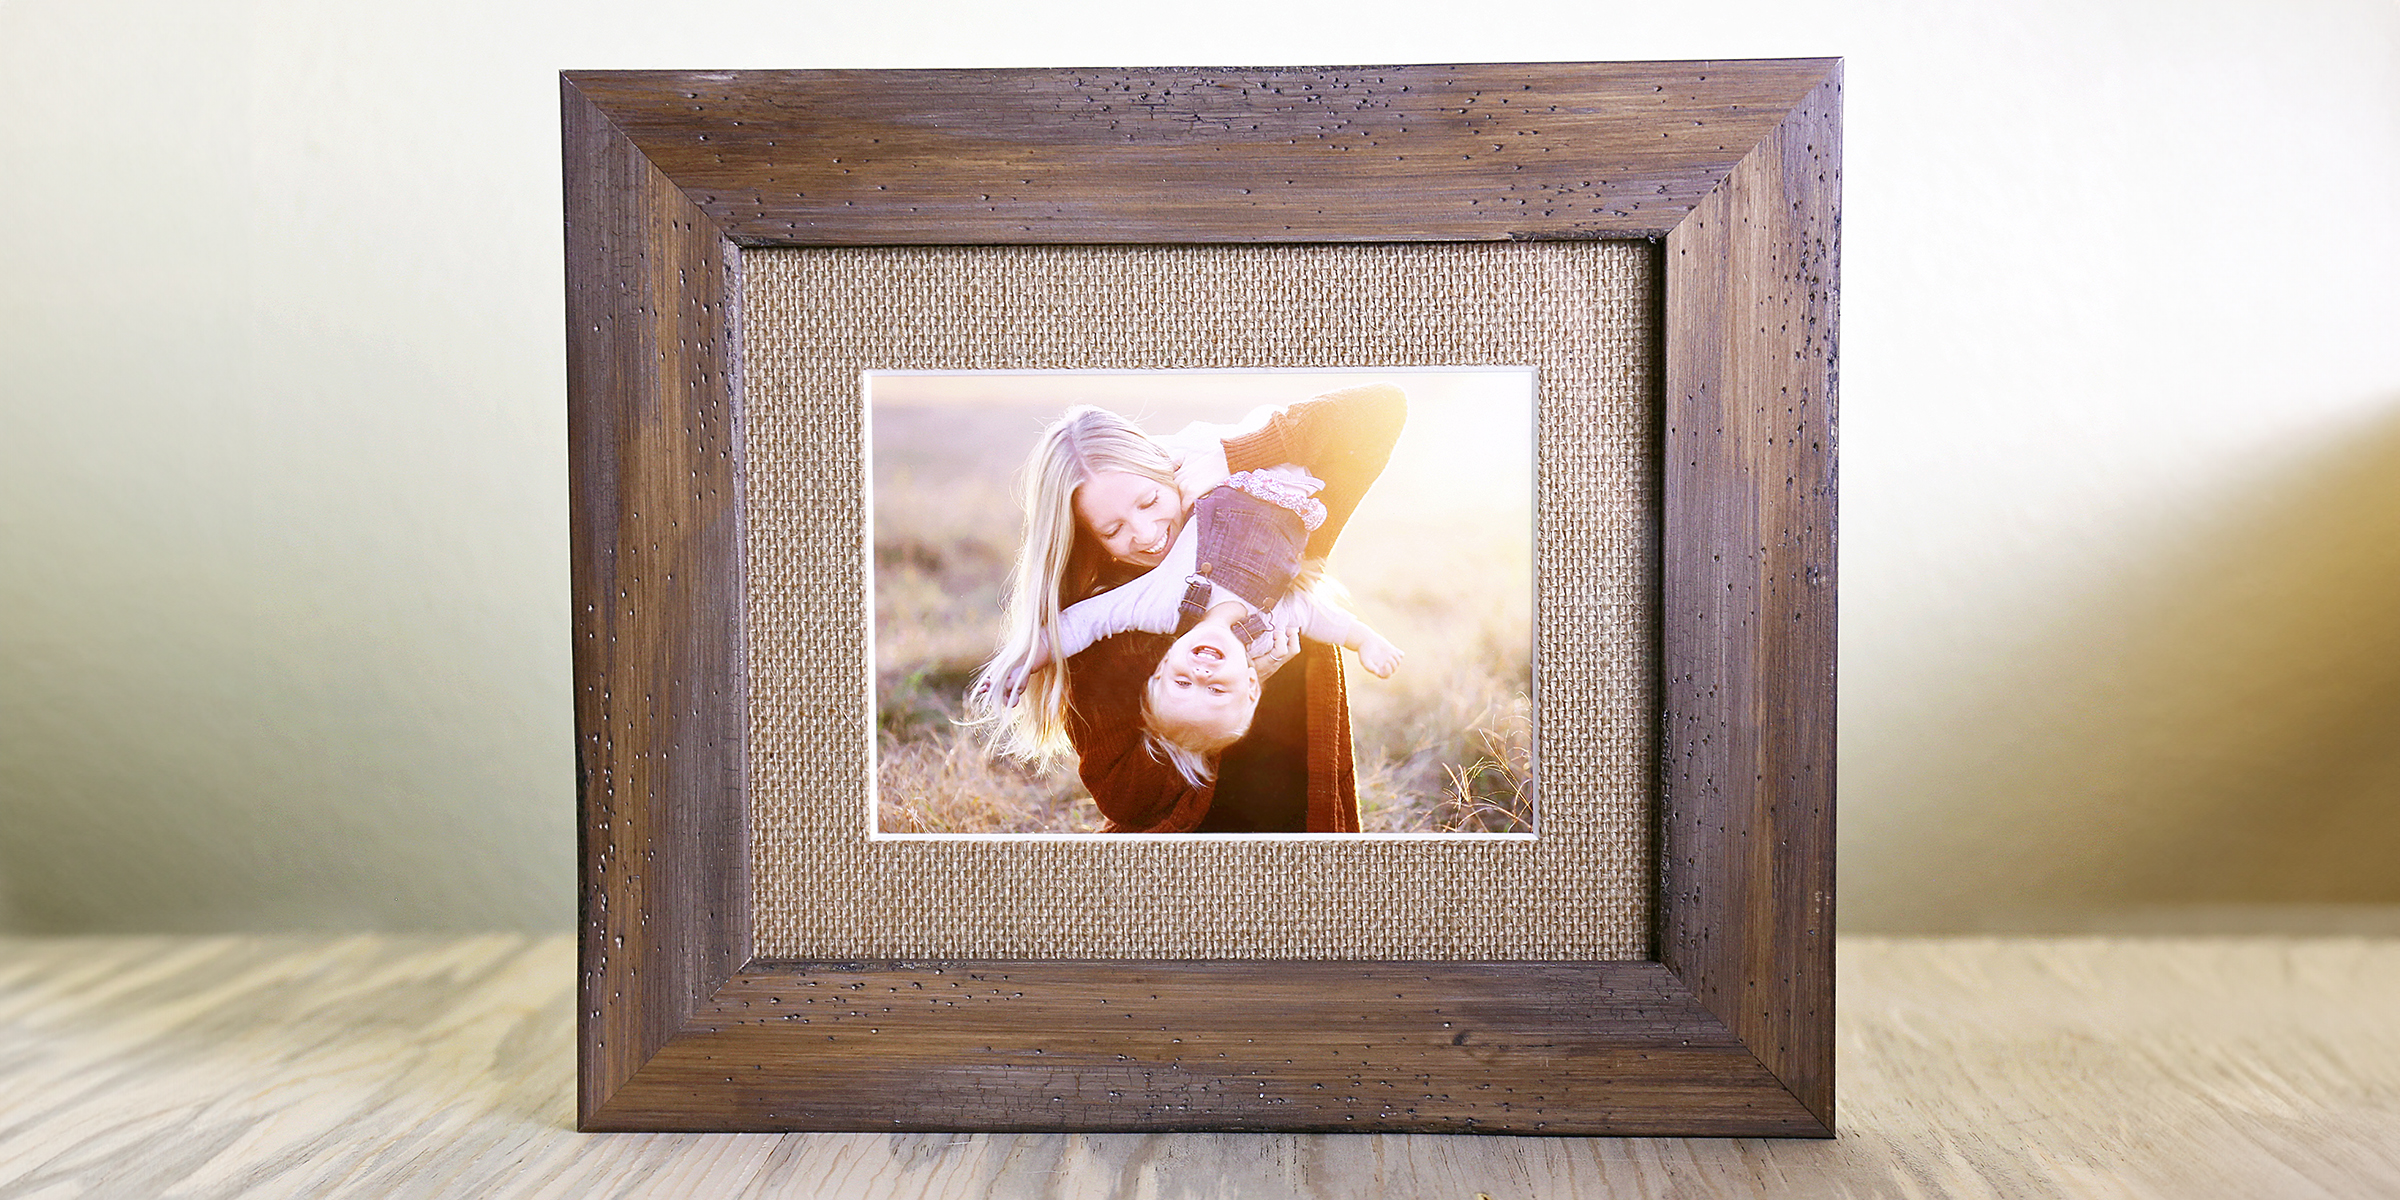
(381, 1066)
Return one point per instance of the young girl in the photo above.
(1224, 585)
(1103, 501)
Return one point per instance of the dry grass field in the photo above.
(1438, 558)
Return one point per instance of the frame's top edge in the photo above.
(1048, 156)
(730, 74)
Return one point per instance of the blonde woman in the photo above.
(1104, 502)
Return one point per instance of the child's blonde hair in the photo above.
(1192, 750)
(1056, 557)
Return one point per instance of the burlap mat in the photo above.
(1583, 314)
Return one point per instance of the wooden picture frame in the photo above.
(1734, 166)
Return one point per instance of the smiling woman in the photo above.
(1133, 517)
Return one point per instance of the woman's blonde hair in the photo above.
(1057, 559)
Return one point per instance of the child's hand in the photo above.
(1380, 656)
(1274, 648)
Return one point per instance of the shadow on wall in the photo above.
(2220, 729)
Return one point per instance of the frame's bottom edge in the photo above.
(1613, 1129)
(1528, 1049)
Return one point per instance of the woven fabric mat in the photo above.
(1582, 313)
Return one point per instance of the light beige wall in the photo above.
(282, 518)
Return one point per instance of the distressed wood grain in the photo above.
(1617, 1048)
(1746, 912)
(652, 391)
(1417, 153)
(2182, 1068)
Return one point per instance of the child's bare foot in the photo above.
(1379, 656)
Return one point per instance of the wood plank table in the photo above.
(384, 1066)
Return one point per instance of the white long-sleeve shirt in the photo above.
(1152, 601)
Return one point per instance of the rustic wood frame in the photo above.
(1736, 166)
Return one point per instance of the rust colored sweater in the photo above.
(1343, 438)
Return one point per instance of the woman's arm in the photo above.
(1343, 438)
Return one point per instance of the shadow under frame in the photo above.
(1734, 166)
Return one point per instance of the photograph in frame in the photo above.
(1398, 561)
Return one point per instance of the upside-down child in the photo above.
(1232, 580)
